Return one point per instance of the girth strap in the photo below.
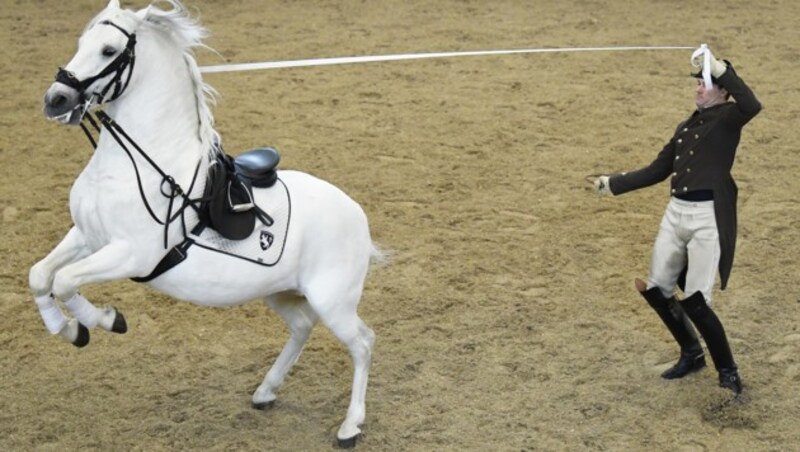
(174, 257)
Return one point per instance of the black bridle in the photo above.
(126, 58)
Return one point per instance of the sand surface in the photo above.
(507, 319)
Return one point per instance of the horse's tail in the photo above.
(379, 257)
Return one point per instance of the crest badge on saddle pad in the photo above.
(266, 240)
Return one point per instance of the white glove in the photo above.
(717, 67)
(601, 186)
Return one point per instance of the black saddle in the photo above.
(228, 205)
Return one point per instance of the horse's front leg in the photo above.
(112, 262)
(71, 248)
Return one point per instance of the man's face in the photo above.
(707, 97)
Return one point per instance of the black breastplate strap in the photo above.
(174, 257)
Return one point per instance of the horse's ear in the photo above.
(142, 13)
(113, 4)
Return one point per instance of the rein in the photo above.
(174, 189)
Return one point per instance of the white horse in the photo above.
(163, 105)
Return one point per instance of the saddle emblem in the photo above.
(266, 240)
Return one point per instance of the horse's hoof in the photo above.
(120, 326)
(347, 443)
(83, 336)
(263, 405)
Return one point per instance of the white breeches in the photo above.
(688, 232)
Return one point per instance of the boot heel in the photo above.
(729, 378)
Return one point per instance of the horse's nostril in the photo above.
(58, 100)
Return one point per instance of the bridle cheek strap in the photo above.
(124, 60)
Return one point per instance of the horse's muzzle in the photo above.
(63, 104)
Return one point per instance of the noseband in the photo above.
(121, 62)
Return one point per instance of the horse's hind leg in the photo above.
(360, 346)
(337, 310)
(300, 319)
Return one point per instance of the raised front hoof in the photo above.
(120, 326)
(347, 443)
(263, 405)
(82, 339)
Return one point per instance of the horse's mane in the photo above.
(187, 33)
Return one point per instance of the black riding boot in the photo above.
(717, 342)
(692, 358)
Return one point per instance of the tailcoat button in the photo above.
(685, 188)
(680, 140)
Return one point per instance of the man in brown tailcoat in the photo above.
(697, 235)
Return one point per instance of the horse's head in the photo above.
(119, 52)
(101, 68)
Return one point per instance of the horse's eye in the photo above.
(109, 51)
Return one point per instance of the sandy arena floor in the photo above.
(507, 319)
